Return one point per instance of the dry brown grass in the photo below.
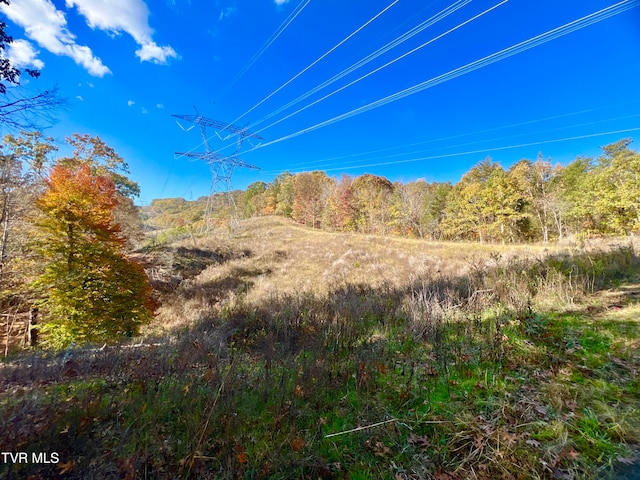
(275, 256)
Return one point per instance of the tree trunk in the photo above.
(33, 329)
(5, 237)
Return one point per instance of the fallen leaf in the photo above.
(508, 438)
(379, 448)
(297, 444)
(570, 454)
(533, 443)
(422, 442)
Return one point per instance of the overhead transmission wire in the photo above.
(319, 59)
(485, 150)
(355, 66)
(323, 56)
(476, 132)
(279, 31)
(416, 152)
(470, 67)
(391, 62)
(369, 58)
(434, 140)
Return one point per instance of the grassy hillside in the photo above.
(286, 352)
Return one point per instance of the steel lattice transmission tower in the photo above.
(221, 166)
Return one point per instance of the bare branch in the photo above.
(26, 113)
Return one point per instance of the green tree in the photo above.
(371, 201)
(279, 196)
(252, 200)
(90, 290)
(487, 203)
(467, 205)
(616, 188)
(505, 212)
(541, 185)
(577, 185)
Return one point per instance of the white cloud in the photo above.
(22, 55)
(80, 98)
(281, 2)
(90, 85)
(130, 16)
(150, 52)
(160, 106)
(144, 111)
(131, 103)
(47, 26)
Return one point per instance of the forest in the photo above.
(531, 201)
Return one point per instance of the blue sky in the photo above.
(127, 65)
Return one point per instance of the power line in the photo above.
(399, 40)
(372, 56)
(320, 164)
(307, 68)
(279, 31)
(470, 67)
(477, 132)
(441, 139)
(319, 59)
(419, 47)
(484, 150)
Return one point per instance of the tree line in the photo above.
(533, 200)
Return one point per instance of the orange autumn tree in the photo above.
(90, 290)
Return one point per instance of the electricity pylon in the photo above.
(221, 166)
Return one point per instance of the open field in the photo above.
(285, 352)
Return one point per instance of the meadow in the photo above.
(280, 351)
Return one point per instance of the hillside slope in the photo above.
(286, 352)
